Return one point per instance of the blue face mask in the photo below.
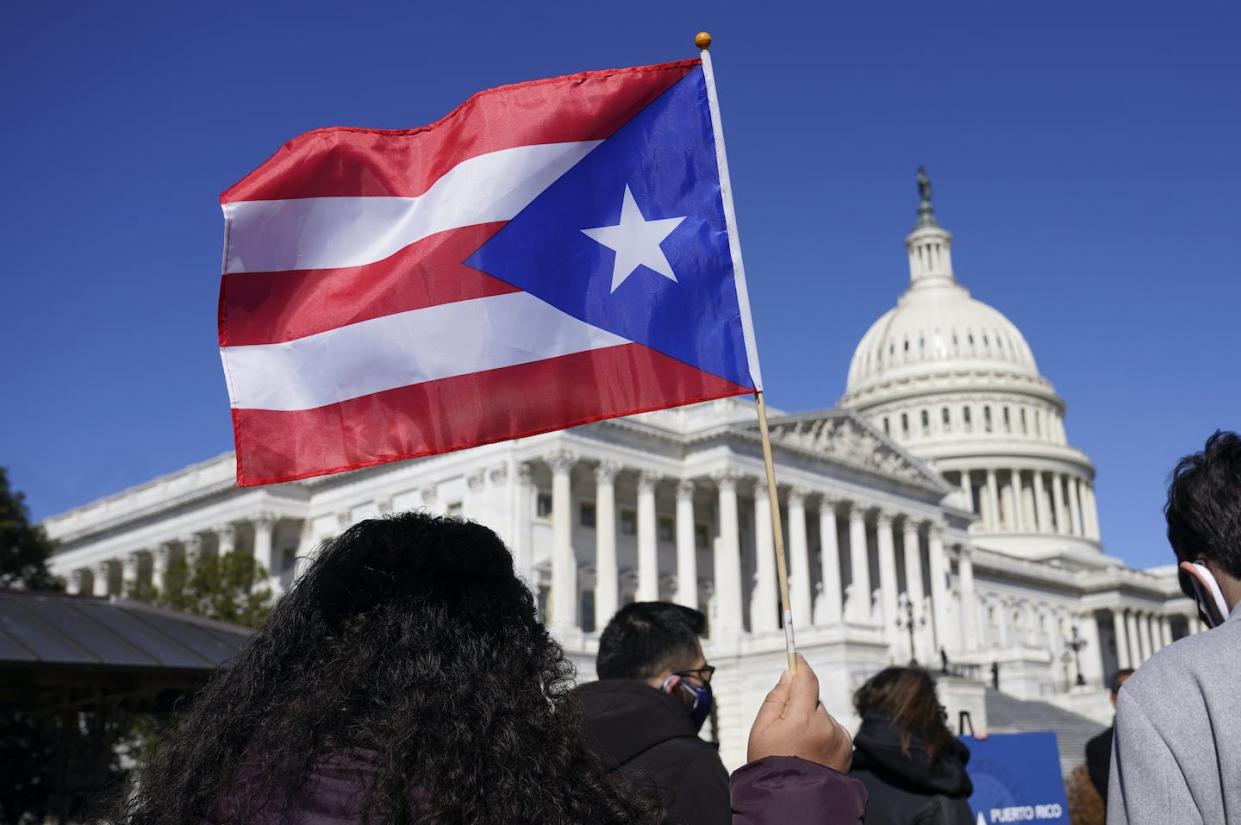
(702, 696)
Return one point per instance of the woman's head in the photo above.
(906, 695)
(409, 637)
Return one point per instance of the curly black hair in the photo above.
(410, 641)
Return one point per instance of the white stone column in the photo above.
(969, 600)
(1195, 624)
(1042, 507)
(1091, 656)
(264, 526)
(103, 578)
(859, 566)
(727, 561)
(1135, 644)
(828, 610)
(1062, 514)
(888, 598)
(799, 559)
(161, 557)
(648, 546)
(687, 552)
(131, 569)
(1090, 511)
(564, 561)
(192, 552)
(1121, 635)
(913, 588)
(967, 490)
(764, 600)
(1148, 638)
(1019, 504)
(79, 582)
(1075, 507)
(607, 572)
(939, 585)
(993, 501)
(1165, 630)
(523, 519)
(226, 539)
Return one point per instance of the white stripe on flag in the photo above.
(407, 348)
(323, 233)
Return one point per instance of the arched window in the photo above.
(965, 419)
(926, 423)
(904, 423)
(1008, 424)
(946, 418)
(1025, 429)
(887, 426)
(986, 418)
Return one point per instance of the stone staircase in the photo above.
(1007, 714)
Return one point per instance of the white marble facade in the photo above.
(943, 494)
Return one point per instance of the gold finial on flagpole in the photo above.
(703, 40)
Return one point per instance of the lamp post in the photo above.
(910, 622)
(1075, 644)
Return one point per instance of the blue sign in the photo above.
(1016, 778)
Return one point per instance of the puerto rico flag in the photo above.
(549, 254)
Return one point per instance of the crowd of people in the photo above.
(407, 679)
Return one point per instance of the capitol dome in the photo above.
(955, 382)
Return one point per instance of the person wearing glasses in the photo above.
(653, 695)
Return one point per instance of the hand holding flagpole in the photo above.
(703, 41)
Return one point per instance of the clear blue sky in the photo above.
(1084, 154)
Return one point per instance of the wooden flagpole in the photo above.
(703, 41)
(777, 531)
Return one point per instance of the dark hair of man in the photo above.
(1118, 679)
(644, 639)
(907, 696)
(1204, 504)
(410, 641)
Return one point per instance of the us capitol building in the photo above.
(938, 513)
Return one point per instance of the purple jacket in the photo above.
(778, 790)
(785, 790)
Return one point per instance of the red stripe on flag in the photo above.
(465, 411)
(345, 161)
(270, 307)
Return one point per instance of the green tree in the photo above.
(24, 547)
(230, 588)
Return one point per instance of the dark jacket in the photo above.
(1099, 762)
(905, 789)
(647, 735)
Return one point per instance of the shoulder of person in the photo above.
(1187, 662)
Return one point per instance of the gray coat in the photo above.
(1176, 757)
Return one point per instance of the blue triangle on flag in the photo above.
(665, 156)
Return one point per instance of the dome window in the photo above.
(1008, 424)
(965, 418)
(906, 345)
(946, 417)
(1025, 429)
(970, 338)
(986, 342)
(926, 423)
(986, 418)
(887, 426)
(905, 424)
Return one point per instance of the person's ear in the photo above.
(671, 684)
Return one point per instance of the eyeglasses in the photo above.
(702, 674)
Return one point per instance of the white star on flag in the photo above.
(636, 241)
